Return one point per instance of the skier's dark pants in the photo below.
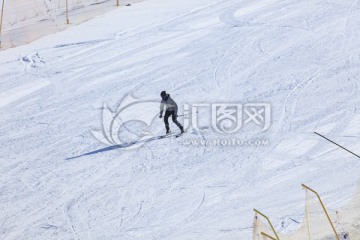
(174, 119)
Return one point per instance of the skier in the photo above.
(171, 110)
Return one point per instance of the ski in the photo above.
(166, 135)
(170, 135)
(179, 135)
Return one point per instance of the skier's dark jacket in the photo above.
(169, 104)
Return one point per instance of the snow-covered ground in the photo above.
(59, 182)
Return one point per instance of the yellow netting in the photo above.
(348, 218)
(259, 228)
(28, 20)
(316, 225)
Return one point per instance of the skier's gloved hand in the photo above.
(160, 116)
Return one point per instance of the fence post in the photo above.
(117, 2)
(307, 213)
(1, 19)
(268, 236)
(323, 206)
(268, 220)
(67, 13)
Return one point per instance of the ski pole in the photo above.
(186, 115)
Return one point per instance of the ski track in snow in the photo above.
(302, 57)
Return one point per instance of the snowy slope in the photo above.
(59, 182)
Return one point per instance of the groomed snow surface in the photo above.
(59, 182)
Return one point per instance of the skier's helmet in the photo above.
(164, 95)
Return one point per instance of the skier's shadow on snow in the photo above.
(119, 146)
